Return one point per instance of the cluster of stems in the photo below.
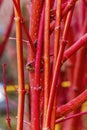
(52, 40)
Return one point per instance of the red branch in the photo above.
(70, 117)
(3, 44)
(34, 27)
(76, 46)
(36, 88)
(6, 96)
(72, 105)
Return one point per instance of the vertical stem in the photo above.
(46, 58)
(56, 48)
(57, 30)
(34, 29)
(7, 105)
(36, 87)
(21, 89)
(57, 68)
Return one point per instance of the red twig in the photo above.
(3, 44)
(69, 52)
(70, 117)
(6, 96)
(56, 50)
(72, 105)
